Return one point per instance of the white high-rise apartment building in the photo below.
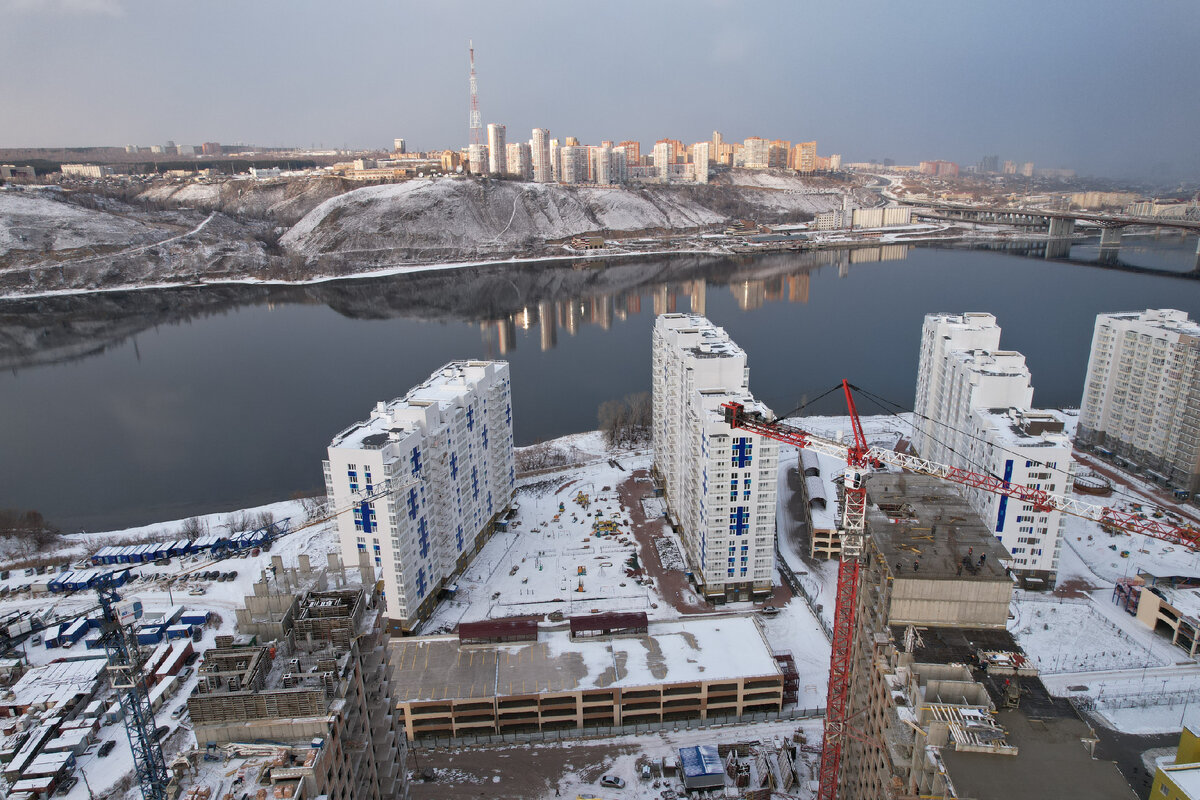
(973, 411)
(602, 165)
(477, 155)
(497, 154)
(700, 153)
(518, 161)
(756, 153)
(719, 483)
(573, 164)
(429, 475)
(663, 156)
(539, 147)
(1141, 397)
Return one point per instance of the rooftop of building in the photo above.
(977, 320)
(1184, 599)
(924, 525)
(1052, 761)
(710, 341)
(993, 363)
(1025, 428)
(443, 389)
(698, 649)
(1164, 319)
(56, 683)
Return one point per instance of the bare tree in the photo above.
(193, 528)
(626, 422)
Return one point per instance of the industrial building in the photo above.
(428, 475)
(720, 485)
(320, 695)
(1167, 604)
(1141, 397)
(820, 493)
(1177, 777)
(516, 676)
(943, 702)
(973, 411)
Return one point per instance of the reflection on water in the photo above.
(603, 309)
(128, 407)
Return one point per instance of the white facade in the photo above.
(441, 461)
(662, 159)
(518, 161)
(497, 154)
(700, 159)
(602, 165)
(719, 483)
(573, 164)
(1141, 397)
(756, 153)
(477, 156)
(539, 148)
(973, 411)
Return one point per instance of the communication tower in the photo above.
(476, 120)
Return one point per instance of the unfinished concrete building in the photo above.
(943, 701)
(319, 691)
(530, 678)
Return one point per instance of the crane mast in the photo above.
(126, 676)
(860, 458)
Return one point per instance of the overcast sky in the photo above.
(1106, 87)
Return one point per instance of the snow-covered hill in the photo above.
(456, 217)
(44, 221)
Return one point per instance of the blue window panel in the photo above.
(375, 548)
(362, 546)
(454, 465)
(489, 502)
(470, 419)
(367, 523)
(731, 562)
(459, 538)
(423, 537)
(474, 483)
(731, 573)
(422, 585)
(1008, 471)
(508, 413)
(412, 503)
(415, 460)
(483, 433)
(353, 486)
(378, 562)
(742, 452)
(739, 521)
(512, 474)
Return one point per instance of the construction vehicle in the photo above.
(860, 459)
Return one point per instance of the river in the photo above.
(126, 408)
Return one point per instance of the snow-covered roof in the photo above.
(444, 389)
(696, 649)
(54, 683)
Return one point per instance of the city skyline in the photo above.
(948, 83)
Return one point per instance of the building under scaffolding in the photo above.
(319, 693)
(944, 703)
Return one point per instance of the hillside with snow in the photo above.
(463, 218)
(45, 221)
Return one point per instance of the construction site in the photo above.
(306, 714)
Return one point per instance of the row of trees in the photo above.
(626, 422)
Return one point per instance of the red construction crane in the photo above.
(860, 459)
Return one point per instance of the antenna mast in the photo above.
(476, 124)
